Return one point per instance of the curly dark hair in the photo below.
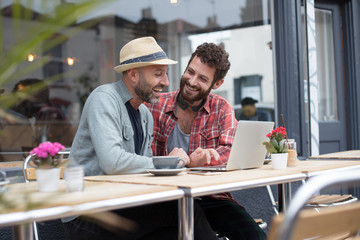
(214, 56)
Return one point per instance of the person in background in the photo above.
(204, 125)
(250, 112)
(115, 136)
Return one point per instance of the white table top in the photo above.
(96, 197)
(232, 180)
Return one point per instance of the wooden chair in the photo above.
(318, 201)
(30, 175)
(30, 170)
(326, 200)
(337, 222)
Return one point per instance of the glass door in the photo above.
(325, 87)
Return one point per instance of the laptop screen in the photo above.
(247, 150)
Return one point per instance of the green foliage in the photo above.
(276, 147)
(4, 203)
(42, 35)
(23, 202)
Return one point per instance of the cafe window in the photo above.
(247, 86)
(242, 27)
(55, 65)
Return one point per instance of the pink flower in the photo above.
(46, 153)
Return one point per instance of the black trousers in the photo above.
(153, 221)
(230, 219)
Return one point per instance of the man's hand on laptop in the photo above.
(202, 156)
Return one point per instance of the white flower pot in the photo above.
(48, 179)
(279, 160)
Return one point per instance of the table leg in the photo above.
(284, 196)
(288, 194)
(281, 198)
(23, 232)
(186, 222)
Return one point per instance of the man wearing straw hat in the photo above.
(114, 137)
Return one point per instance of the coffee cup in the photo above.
(168, 162)
(74, 179)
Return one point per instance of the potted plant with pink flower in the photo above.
(47, 159)
(47, 155)
(277, 147)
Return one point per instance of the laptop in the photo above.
(247, 150)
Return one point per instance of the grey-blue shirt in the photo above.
(104, 142)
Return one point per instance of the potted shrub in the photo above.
(277, 147)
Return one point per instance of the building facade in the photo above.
(298, 58)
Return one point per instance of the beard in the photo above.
(144, 90)
(202, 94)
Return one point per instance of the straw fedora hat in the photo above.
(142, 52)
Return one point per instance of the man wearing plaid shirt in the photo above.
(204, 125)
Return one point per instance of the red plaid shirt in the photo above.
(214, 126)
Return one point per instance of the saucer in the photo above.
(165, 172)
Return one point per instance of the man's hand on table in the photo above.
(179, 152)
(202, 156)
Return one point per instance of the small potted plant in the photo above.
(277, 147)
(47, 155)
(47, 159)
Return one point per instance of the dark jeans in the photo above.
(230, 219)
(154, 221)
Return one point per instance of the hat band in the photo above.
(146, 58)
